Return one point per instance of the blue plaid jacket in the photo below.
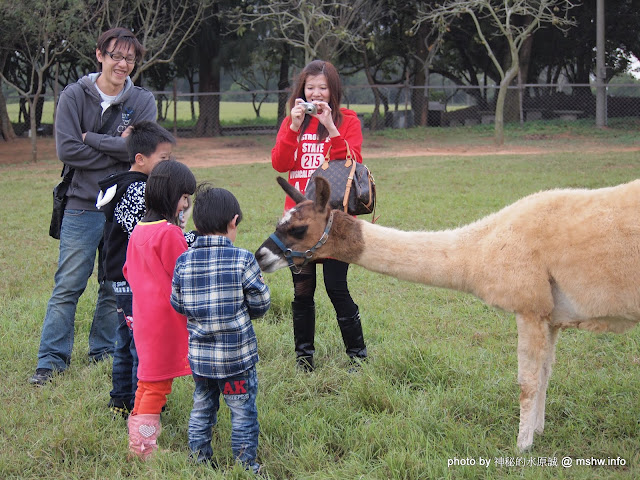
(219, 288)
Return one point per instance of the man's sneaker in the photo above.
(41, 377)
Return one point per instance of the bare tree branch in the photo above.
(321, 28)
(514, 20)
(43, 31)
(163, 27)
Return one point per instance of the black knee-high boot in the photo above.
(351, 330)
(304, 329)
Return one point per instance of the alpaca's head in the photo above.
(300, 230)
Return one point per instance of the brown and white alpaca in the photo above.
(557, 259)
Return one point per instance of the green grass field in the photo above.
(438, 391)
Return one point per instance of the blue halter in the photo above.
(306, 255)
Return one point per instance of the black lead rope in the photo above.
(306, 255)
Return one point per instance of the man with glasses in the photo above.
(92, 122)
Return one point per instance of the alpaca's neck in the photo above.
(433, 258)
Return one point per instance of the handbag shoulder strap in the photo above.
(327, 156)
(67, 173)
(348, 157)
(114, 111)
(349, 154)
(347, 190)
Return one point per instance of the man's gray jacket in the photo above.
(100, 154)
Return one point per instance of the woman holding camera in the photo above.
(316, 127)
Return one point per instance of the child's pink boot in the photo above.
(143, 433)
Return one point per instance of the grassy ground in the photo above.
(438, 396)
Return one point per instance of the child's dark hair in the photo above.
(214, 208)
(167, 182)
(145, 138)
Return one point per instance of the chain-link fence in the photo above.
(449, 106)
(378, 107)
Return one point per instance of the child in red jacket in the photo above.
(159, 332)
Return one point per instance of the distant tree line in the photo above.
(261, 44)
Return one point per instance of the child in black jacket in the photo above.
(122, 199)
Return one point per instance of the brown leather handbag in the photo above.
(353, 189)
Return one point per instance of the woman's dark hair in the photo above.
(123, 37)
(167, 182)
(314, 68)
(214, 208)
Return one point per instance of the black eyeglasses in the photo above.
(118, 57)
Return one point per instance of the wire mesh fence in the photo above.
(378, 107)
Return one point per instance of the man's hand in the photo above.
(127, 131)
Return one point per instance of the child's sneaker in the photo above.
(258, 471)
(256, 468)
(119, 409)
(119, 412)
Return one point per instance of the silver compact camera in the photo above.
(309, 108)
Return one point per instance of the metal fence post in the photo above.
(601, 94)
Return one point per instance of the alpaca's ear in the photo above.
(290, 190)
(323, 193)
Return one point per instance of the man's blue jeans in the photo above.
(80, 238)
(124, 376)
(240, 394)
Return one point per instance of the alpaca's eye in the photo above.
(298, 232)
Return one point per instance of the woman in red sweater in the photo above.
(301, 145)
(160, 333)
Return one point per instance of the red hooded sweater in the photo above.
(301, 156)
(160, 333)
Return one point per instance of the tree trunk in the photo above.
(525, 58)
(33, 128)
(283, 83)
(375, 116)
(502, 95)
(419, 99)
(6, 129)
(5, 123)
(512, 105)
(36, 106)
(208, 124)
(192, 90)
(512, 100)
